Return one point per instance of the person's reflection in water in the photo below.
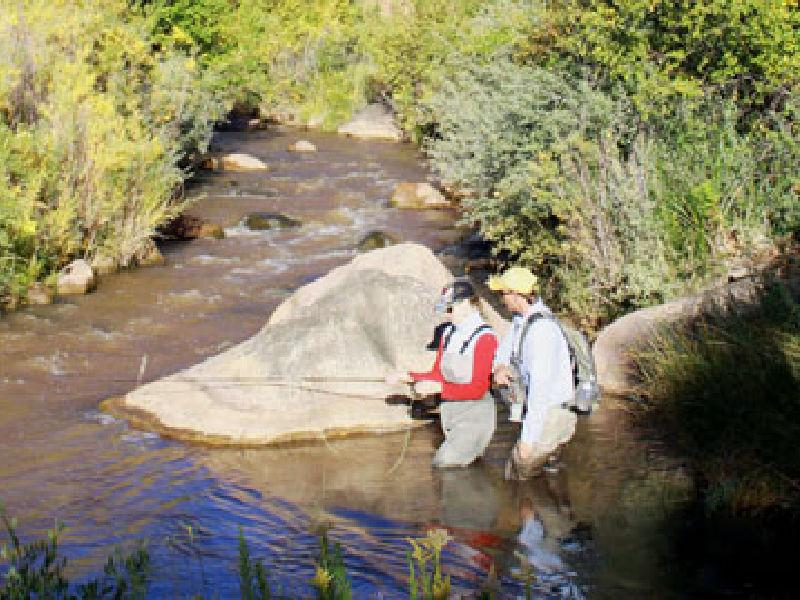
(546, 520)
(471, 499)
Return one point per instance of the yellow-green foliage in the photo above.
(93, 123)
(660, 50)
(322, 59)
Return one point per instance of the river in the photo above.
(600, 527)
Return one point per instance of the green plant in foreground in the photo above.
(35, 570)
(425, 578)
(330, 578)
(253, 583)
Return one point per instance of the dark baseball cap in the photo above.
(460, 289)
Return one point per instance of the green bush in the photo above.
(615, 215)
(37, 570)
(661, 51)
(93, 125)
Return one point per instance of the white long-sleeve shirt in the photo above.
(545, 367)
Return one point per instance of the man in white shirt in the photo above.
(541, 362)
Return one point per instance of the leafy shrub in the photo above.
(93, 125)
(662, 51)
(615, 215)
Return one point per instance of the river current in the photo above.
(597, 528)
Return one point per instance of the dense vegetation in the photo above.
(627, 150)
(727, 386)
(95, 119)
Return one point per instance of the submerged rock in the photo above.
(376, 121)
(76, 278)
(187, 227)
(260, 221)
(417, 196)
(39, 294)
(376, 239)
(302, 146)
(316, 368)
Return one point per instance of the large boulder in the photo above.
(316, 368)
(375, 121)
(617, 343)
(417, 196)
(76, 278)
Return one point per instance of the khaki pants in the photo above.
(468, 426)
(559, 427)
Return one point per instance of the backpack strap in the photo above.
(448, 333)
(526, 327)
(479, 330)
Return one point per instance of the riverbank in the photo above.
(726, 388)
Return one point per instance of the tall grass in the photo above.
(727, 391)
(36, 569)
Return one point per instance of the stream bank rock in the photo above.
(418, 196)
(39, 294)
(148, 255)
(294, 379)
(76, 278)
(302, 146)
(187, 227)
(235, 161)
(616, 344)
(374, 122)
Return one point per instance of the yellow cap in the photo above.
(516, 279)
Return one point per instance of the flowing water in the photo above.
(594, 529)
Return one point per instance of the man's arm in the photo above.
(501, 366)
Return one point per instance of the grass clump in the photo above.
(727, 391)
(253, 582)
(37, 570)
(330, 578)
